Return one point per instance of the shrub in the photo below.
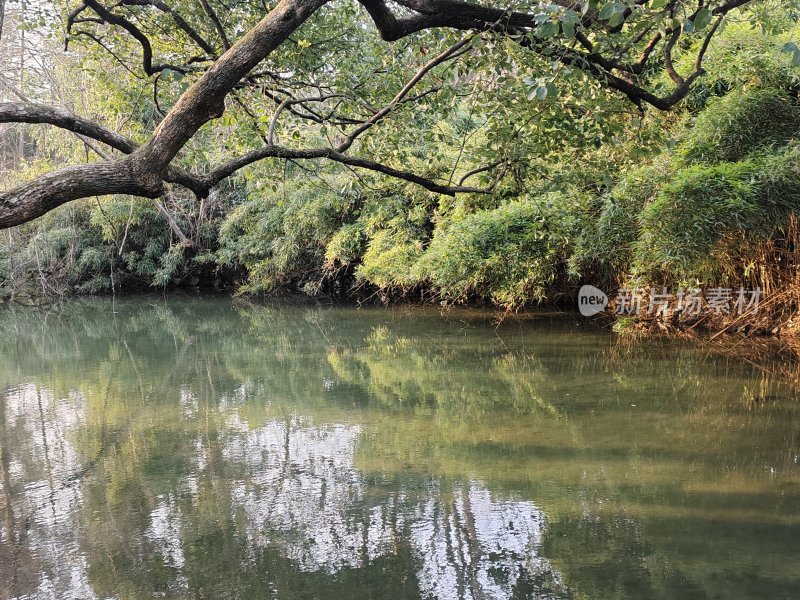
(706, 210)
(347, 245)
(608, 236)
(390, 258)
(278, 240)
(744, 121)
(510, 254)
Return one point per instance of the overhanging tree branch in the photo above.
(145, 169)
(112, 18)
(272, 151)
(182, 24)
(49, 191)
(217, 24)
(26, 112)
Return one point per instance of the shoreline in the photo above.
(752, 345)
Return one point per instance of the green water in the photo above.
(186, 448)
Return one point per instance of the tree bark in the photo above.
(2, 16)
(205, 100)
(49, 191)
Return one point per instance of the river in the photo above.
(202, 448)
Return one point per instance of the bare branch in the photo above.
(478, 170)
(24, 112)
(173, 225)
(217, 23)
(231, 167)
(453, 51)
(147, 49)
(291, 102)
(205, 100)
(704, 48)
(179, 21)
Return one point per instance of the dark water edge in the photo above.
(181, 447)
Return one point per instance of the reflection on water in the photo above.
(190, 448)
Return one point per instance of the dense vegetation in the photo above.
(586, 186)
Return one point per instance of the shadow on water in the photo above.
(195, 448)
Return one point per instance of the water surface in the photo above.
(185, 448)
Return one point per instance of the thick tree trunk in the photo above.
(49, 191)
(205, 100)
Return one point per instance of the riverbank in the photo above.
(754, 340)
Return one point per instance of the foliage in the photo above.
(704, 206)
(585, 187)
(509, 254)
(389, 259)
(740, 123)
(743, 57)
(610, 231)
(281, 237)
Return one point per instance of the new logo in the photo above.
(591, 300)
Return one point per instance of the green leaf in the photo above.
(616, 19)
(656, 4)
(609, 8)
(548, 29)
(703, 18)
